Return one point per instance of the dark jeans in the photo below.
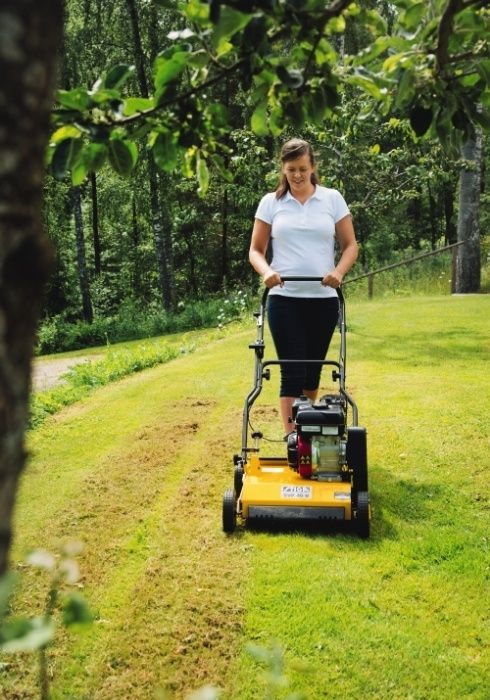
(301, 329)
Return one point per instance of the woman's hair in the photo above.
(295, 148)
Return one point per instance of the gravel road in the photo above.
(46, 373)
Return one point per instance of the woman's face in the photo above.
(298, 173)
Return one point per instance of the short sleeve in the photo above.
(264, 210)
(340, 207)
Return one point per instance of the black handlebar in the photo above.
(296, 278)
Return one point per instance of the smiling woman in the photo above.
(301, 219)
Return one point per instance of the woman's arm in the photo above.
(260, 240)
(344, 230)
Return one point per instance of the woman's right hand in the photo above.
(272, 279)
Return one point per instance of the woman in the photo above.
(301, 218)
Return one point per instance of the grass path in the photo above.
(137, 470)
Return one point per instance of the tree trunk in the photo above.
(433, 219)
(136, 272)
(468, 260)
(159, 213)
(32, 32)
(451, 232)
(95, 223)
(224, 241)
(186, 234)
(81, 257)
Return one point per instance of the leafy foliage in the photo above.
(432, 65)
(226, 81)
(35, 634)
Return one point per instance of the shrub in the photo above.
(133, 322)
(83, 378)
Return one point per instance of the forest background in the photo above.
(148, 254)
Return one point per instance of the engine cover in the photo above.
(317, 448)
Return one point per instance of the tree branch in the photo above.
(445, 30)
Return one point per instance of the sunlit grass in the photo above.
(136, 471)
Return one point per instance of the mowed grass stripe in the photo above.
(175, 440)
(178, 585)
(404, 615)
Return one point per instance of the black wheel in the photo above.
(238, 481)
(361, 522)
(357, 457)
(229, 511)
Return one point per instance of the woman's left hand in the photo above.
(332, 279)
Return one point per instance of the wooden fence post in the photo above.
(370, 286)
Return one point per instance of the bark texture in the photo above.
(95, 223)
(83, 278)
(159, 211)
(468, 267)
(30, 35)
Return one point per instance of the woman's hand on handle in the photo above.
(332, 279)
(272, 279)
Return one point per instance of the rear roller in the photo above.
(238, 479)
(356, 455)
(229, 511)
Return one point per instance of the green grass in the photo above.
(136, 472)
(117, 361)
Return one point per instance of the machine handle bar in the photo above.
(296, 278)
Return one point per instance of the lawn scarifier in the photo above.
(324, 476)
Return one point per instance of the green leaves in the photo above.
(90, 159)
(367, 82)
(202, 172)
(72, 155)
(166, 70)
(421, 119)
(122, 155)
(165, 151)
(137, 105)
(118, 75)
(64, 156)
(290, 77)
(231, 21)
(76, 611)
(412, 17)
(77, 99)
(26, 634)
(290, 84)
(258, 121)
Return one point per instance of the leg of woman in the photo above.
(321, 317)
(285, 322)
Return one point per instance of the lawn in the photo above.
(136, 472)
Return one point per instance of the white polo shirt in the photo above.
(303, 238)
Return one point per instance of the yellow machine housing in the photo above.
(271, 489)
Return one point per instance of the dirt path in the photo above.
(46, 373)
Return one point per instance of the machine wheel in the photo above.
(357, 457)
(238, 480)
(362, 524)
(229, 511)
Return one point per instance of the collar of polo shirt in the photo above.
(315, 195)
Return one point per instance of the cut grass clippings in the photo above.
(137, 469)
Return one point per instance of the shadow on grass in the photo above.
(392, 500)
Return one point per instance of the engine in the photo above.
(317, 447)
